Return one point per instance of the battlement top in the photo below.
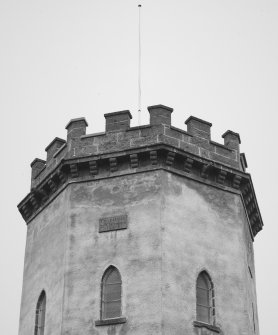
(119, 135)
(190, 152)
(74, 121)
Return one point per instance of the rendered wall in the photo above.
(176, 228)
(44, 266)
(205, 228)
(135, 251)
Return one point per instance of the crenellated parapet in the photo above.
(119, 135)
(122, 149)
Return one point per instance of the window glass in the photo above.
(111, 294)
(40, 314)
(204, 298)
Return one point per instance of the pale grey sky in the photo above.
(60, 59)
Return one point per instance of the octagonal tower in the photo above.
(140, 230)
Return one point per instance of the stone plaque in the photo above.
(112, 223)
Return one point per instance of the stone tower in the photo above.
(143, 230)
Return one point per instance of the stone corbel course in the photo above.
(134, 160)
(124, 150)
(93, 167)
(167, 156)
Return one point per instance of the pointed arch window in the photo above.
(40, 314)
(111, 294)
(205, 308)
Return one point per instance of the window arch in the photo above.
(205, 308)
(111, 294)
(40, 314)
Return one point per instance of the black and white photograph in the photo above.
(138, 167)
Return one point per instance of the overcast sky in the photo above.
(61, 59)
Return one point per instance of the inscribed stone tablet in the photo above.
(113, 223)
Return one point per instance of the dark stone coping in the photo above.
(37, 160)
(160, 106)
(93, 135)
(197, 119)
(119, 113)
(76, 120)
(60, 149)
(107, 322)
(56, 139)
(200, 324)
(233, 133)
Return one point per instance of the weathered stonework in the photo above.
(191, 151)
(159, 203)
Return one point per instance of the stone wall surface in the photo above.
(120, 136)
(190, 206)
(122, 148)
(176, 228)
(45, 255)
(205, 228)
(135, 251)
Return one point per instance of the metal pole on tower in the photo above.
(139, 65)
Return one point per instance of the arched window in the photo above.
(111, 294)
(205, 299)
(40, 314)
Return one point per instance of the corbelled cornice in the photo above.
(137, 160)
(122, 149)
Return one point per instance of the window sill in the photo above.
(107, 322)
(213, 328)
